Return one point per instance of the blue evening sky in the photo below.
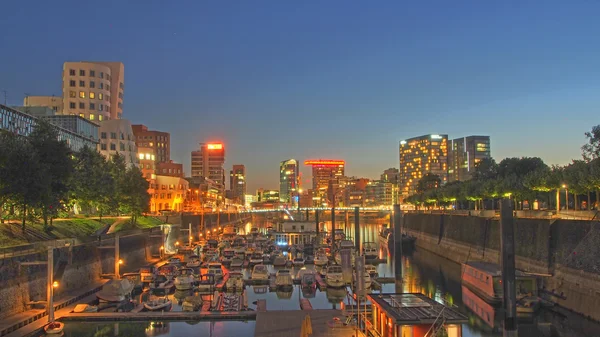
(325, 79)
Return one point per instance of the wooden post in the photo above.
(507, 248)
(50, 286)
(357, 229)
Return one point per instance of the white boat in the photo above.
(370, 250)
(367, 279)
(240, 252)
(216, 269)
(298, 262)
(206, 284)
(334, 277)
(185, 280)
(372, 270)
(79, 308)
(260, 272)
(192, 303)
(283, 278)
(279, 261)
(235, 282)
(115, 291)
(321, 260)
(54, 328)
(193, 261)
(256, 258)
(237, 263)
(158, 304)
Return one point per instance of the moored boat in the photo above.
(298, 262)
(334, 277)
(283, 278)
(161, 285)
(158, 304)
(235, 282)
(185, 280)
(115, 291)
(81, 308)
(279, 261)
(370, 250)
(260, 272)
(54, 328)
(237, 263)
(193, 261)
(206, 284)
(216, 269)
(192, 303)
(372, 270)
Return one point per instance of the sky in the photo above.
(332, 79)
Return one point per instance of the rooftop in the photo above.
(414, 308)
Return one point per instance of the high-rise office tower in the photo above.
(325, 171)
(237, 183)
(288, 180)
(465, 153)
(422, 155)
(208, 162)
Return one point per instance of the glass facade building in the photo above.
(422, 155)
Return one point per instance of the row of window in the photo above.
(92, 106)
(113, 135)
(159, 138)
(113, 147)
(168, 195)
(171, 171)
(92, 84)
(151, 144)
(92, 74)
(92, 117)
(91, 95)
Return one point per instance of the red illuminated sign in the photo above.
(324, 162)
(215, 146)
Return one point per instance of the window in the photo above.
(113, 135)
(72, 105)
(103, 147)
(103, 135)
(81, 105)
(92, 73)
(72, 94)
(151, 144)
(82, 84)
(92, 107)
(168, 195)
(101, 85)
(106, 108)
(82, 115)
(92, 95)
(100, 117)
(113, 147)
(120, 95)
(101, 75)
(100, 107)
(120, 105)
(71, 72)
(108, 87)
(100, 96)
(92, 84)
(121, 85)
(122, 136)
(71, 83)
(122, 146)
(82, 94)
(92, 117)
(107, 97)
(81, 72)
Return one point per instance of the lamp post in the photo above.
(566, 197)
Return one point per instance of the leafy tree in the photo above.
(591, 150)
(429, 182)
(136, 199)
(93, 185)
(486, 169)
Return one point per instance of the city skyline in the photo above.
(456, 70)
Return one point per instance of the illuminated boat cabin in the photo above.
(485, 280)
(412, 315)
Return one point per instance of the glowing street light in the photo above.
(120, 261)
(55, 284)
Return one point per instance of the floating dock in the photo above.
(162, 315)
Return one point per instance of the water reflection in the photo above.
(166, 329)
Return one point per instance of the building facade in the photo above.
(325, 178)
(93, 90)
(53, 102)
(158, 142)
(237, 183)
(116, 136)
(208, 162)
(465, 153)
(392, 175)
(288, 180)
(379, 193)
(168, 194)
(263, 195)
(419, 156)
(20, 123)
(204, 194)
(170, 168)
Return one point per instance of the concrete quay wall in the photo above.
(568, 250)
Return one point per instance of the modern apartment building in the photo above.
(379, 193)
(208, 162)
(237, 183)
(288, 180)
(263, 195)
(465, 153)
(116, 136)
(158, 142)
(419, 156)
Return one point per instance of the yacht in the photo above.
(185, 280)
(193, 261)
(321, 260)
(240, 253)
(283, 278)
(256, 258)
(235, 282)
(308, 278)
(372, 270)
(206, 284)
(227, 257)
(260, 272)
(334, 277)
(279, 261)
(370, 250)
(161, 284)
(298, 262)
(338, 257)
(236, 263)
(192, 303)
(216, 269)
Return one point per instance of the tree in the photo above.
(486, 169)
(591, 150)
(429, 182)
(135, 193)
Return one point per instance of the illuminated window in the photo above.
(100, 96)
(82, 115)
(148, 156)
(92, 117)
(92, 95)
(72, 94)
(152, 157)
(151, 144)
(141, 155)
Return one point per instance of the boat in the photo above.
(185, 280)
(338, 257)
(136, 281)
(227, 257)
(334, 277)
(54, 328)
(235, 282)
(206, 284)
(485, 280)
(321, 259)
(236, 263)
(240, 252)
(256, 258)
(216, 269)
(367, 278)
(147, 273)
(174, 260)
(370, 250)
(283, 279)
(168, 270)
(115, 291)
(371, 270)
(298, 262)
(192, 303)
(193, 261)
(82, 308)
(161, 284)
(308, 279)
(158, 304)
(260, 272)
(212, 243)
(386, 238)
(339, 234)
(279, 261)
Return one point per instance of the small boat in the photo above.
(228, 254)
(161, 284)
(308, 279)
(216, 269)
(236, 263)
(235, 282)
(206, 284)
(185, 280)
(115, 291)
(367, 278)
(136, 281)
(321, 260)
(283, 278)
(80, 308)
(147, 273)
(298, 262)
(338, 257)
(192, 303)
(260, 272)
(174, 260)
(371, 270)
(334, 277)
(54, 328)
(279, 261)
(193, 261)
(256, 258)
(169, 270)
(212, 243)
(370, 250)
(158, 304)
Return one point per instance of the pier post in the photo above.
(507, 248)
(332, 228)
(117, 257)
(345, 221)
(357, 228)
(397, 245)
(317, 225)
(50, 286)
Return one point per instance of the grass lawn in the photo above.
(142, 222)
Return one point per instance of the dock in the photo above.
(261, 305)
(325, 323)
(162, 315)
(305, 304)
